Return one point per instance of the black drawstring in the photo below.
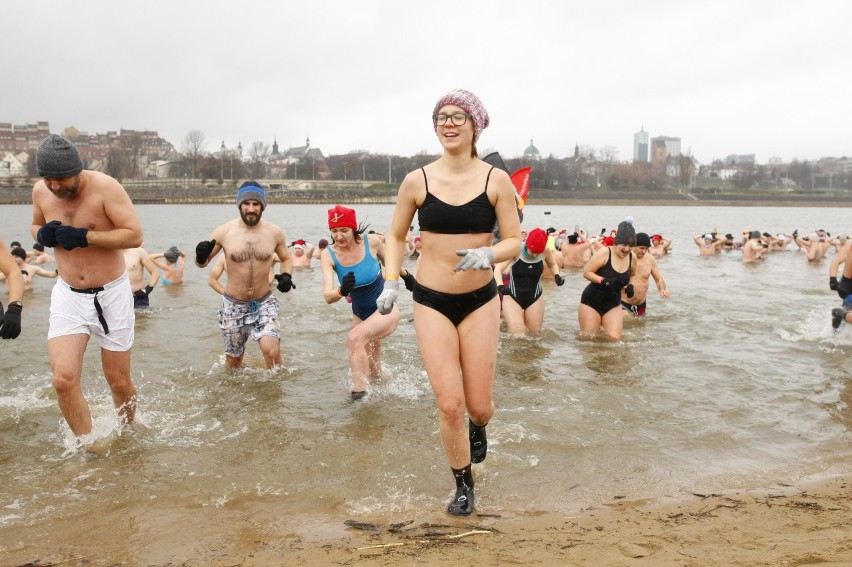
(94, 291)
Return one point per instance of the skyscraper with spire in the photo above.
(640, 145)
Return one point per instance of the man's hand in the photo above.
(47, 234)
(10, 324)
(385, 301)
(71, 237)
(832, 283)
(347, 284)
(629, 291)
(285, 282)
(559, 279)
(203, 250)
(475, 259)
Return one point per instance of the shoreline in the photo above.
(798, 523)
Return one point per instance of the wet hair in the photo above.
(19, 252)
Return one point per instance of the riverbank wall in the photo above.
(363, 193)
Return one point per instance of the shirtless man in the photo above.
(646, 268)
(28, 271)
(815, 246)
(754, 248)
(10, 319)
(780, 242)
(707, 244)
(838, 243)
(249, 308)
(302, 254)
(88, 218)
(137, 261)
(574, 251)
(843, 286)
(173, 266)
(660, 246)
(38, 256)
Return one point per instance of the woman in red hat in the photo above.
(459, 199)
(523, 307)
(351, 269)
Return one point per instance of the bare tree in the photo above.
(259, 157)
(193, 144)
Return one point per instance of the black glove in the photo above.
(148, 289)
(408, 279)
(347, 284)
(11, 322)
(71, 237)
(844, 287)
(629, 291)
(559, 279)
(285, 282)
(795, 233)
(47, 234)
(832, 283)
(140, 294)
(612, 284)
(203, 250)
(503, 289)
(603, 231)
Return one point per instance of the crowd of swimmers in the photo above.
(470, 265)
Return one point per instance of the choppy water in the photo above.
(737, 379)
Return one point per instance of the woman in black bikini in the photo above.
(458, 198)
(609, 270)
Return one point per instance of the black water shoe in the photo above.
(462, 504)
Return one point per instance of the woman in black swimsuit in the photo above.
(458, 198)
(609, 270)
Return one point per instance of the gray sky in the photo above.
(728, 77)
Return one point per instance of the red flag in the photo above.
(521, 181)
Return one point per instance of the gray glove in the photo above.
(476, 259)
(388, 296)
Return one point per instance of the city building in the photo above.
(662, 148)
(532, 153)
(640, 146)
(22, 137)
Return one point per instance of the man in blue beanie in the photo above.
(88, 219)
(251, 247)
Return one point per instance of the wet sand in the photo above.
(798, 524)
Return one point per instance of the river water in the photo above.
(737, 380)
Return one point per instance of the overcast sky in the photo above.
(770, 78)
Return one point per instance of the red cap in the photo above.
(341, 217)
(609, 241)
(536, 241)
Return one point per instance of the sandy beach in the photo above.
(792, 525)
(781, 525)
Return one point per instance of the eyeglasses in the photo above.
(458, 119)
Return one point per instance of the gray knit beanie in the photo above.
(251, 190)
(626, 234)
(58, 158)
(172, 254)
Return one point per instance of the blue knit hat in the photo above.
(251, 190)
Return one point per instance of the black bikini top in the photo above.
(475, 216)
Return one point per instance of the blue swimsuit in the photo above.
(369, 282)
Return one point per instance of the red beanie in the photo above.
(341, 217)
(536, 241)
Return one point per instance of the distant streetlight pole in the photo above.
(389, 169)
(222, 160)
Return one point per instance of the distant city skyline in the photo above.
(764, 77)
